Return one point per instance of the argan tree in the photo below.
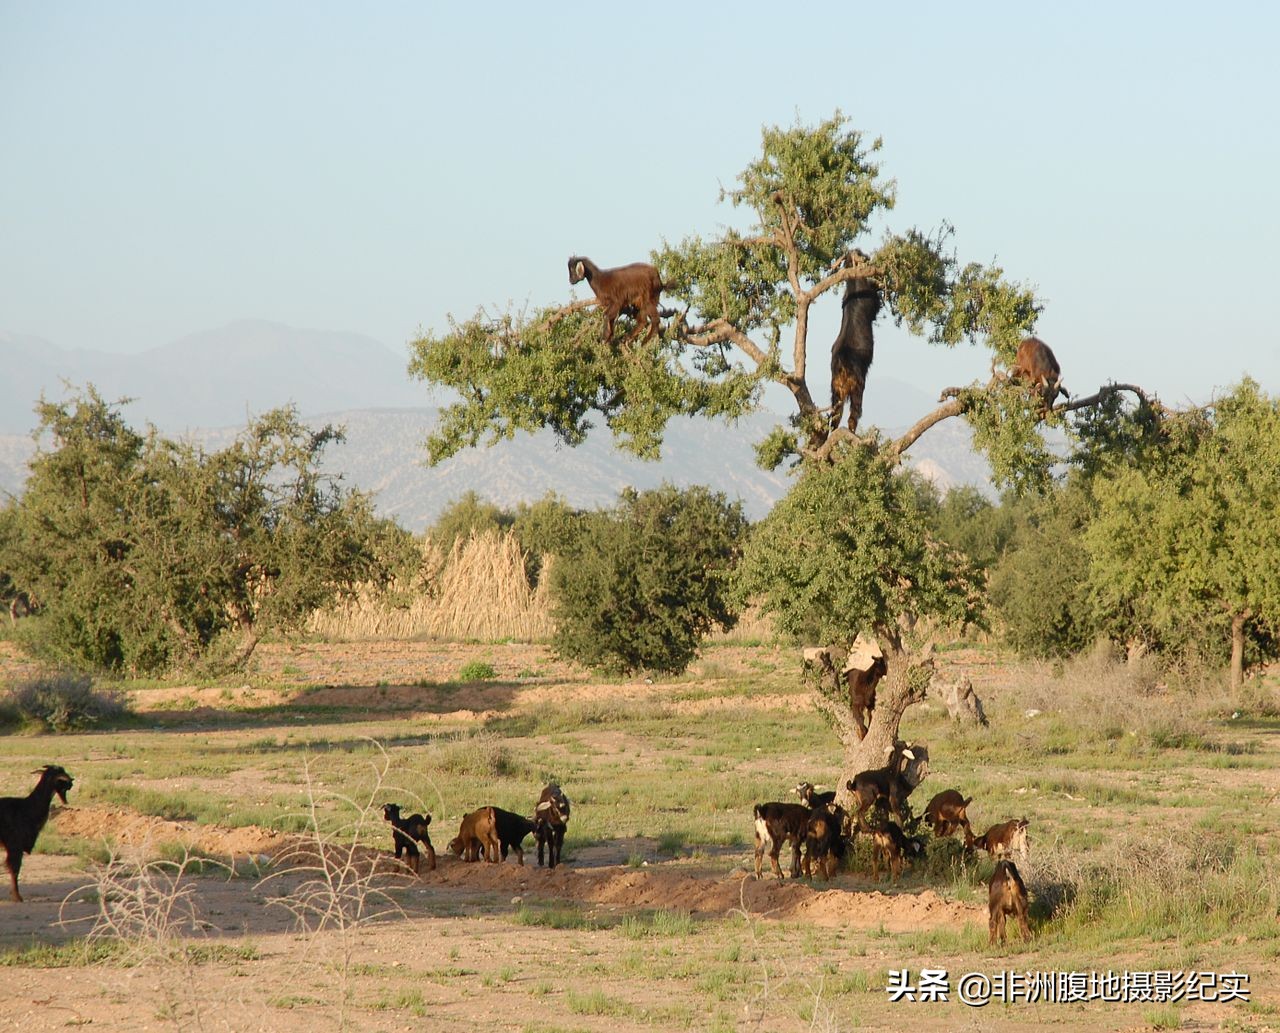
(743, 302)
(1190, 544)
(147, 554)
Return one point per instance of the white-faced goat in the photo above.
(812, 798)
(404, 831)
(1009, 837)
(777, 824)
(22, 818)
(1006, 895)
(946, 813)
(550, 819)
(893, 783)
(632, 289)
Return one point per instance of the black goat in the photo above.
(404, 831)
(776, 823)
(853, 348)
(550, 819)
(824, 844)
(812, 798)
(892, 783)
(511, 829)
(633, 289)
(22, 818)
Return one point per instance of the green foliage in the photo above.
(553, 370)
(1183, 547)
(972, 523)
(466, 515)
(812, 195)
(62, 703)
(1040, 585)
(640, 586)
(848, 549)
(147, 554)
(476, 670)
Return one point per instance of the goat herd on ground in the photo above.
(819, 828)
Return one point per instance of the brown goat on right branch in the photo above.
(1036, 366)
(853, 348)
(632, 289)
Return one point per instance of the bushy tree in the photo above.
(849, 550)
(1040, 584)
(467, 514)
(638, 587)
(1191, 542)
(147, 554)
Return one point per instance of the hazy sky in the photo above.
(168, 168)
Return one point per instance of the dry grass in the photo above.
(479, 591)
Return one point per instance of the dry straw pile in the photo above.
(479, 591)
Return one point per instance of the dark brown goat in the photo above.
(1036, 366)
(862, 692)
(824, 844)
(946, 813)
(776, 824)
(1009, 837)
(22, 818)
(892, 783)
(633, 289)
(890, 844)
(853, 348)
(403, 833)
(1006, 895)
(550, 819)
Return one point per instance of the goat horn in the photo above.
(909, 755)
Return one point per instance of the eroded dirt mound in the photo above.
(148, 833)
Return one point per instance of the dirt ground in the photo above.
(512, 947)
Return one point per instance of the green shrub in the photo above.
(63, 703)
(639, 586)
(477, 670)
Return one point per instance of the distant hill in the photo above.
(215, 378)
(207, 385)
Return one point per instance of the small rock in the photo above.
(1032, 713)
(517, 900)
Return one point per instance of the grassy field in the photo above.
(1155, 831)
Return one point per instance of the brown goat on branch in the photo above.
(1036, 366)
(853, 348)
(632, 289)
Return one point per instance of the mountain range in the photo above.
(207, 385)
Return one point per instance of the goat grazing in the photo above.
(550, 818)
(477, 837)
(776, 823)
(812, 798)
(824, 845)
(403, 833)
(633, 289)
(1006, 895)
(1036, 366)
(945, 812)
(22, 818)
(890, 844)
(853, 348)
(1001, 840)
(892, 783)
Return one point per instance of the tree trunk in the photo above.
(1237, 648)
(905, 684)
